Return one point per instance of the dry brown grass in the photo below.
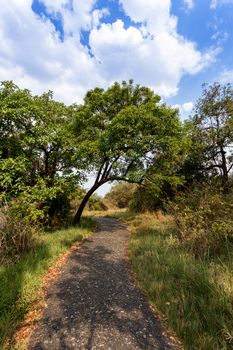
(194, 294)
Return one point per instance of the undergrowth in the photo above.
(195, 294)
(19, 283)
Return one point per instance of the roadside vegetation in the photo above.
(181, 247)
(21, 282)
(193, 293)
(126, 136)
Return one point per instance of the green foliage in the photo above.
(211, 132)
(35, 130)
(124, 131)
(145, 198)
(122, 127)
(40, 204)
(12, 177)
(37, 168)
(121, 194)
(96, 203)
(203, 216)
(154, 191)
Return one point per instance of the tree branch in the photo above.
(103, 177)
(128, 167)
(111, 166)
(119, 178)
(99, 173)
(230, 168)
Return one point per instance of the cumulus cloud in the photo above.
(33, 55)
(152, 53)
(155, 13)
(184, 108)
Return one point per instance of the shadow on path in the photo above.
(95, 304)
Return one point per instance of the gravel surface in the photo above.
(95, 304)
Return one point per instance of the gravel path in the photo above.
(95, 304)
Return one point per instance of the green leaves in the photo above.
(211, 131)
(36, 150)
(121, 133)
(118, 128)
(13, 174)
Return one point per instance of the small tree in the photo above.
(121, 132)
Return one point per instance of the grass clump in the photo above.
(16, 237)
(19, 283)
(195, 294)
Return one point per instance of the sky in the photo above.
(71, 46)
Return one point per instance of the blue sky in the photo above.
(70, 46)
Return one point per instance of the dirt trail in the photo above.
(95, 304)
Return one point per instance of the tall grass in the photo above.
(19, 283)
(194, 294)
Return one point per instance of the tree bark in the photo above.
(224, 165)
(79, 212)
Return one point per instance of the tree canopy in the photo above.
(122, 132)
(211, 132)
(36, 154)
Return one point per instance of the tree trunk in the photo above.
(224, 165)
(79, 212)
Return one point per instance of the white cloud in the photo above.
(226, 76)
(32, 54)
(155, 13)
(215, 3)
(189, 4)
(153, 53)
(185, 107)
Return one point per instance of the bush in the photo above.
(96, 203)
(204, 219)
(121, 194)
(16, 236)
(150, 196)
(42, 204)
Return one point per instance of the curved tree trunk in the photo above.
(79, 212)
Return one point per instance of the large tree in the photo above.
(211, 131)
(35, 132)
(121, 132)
(36, 150)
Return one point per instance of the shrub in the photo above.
(96, 203)
(16, 236)
(151, 195)
(204, 219)
(121, 194)
(42, 204)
